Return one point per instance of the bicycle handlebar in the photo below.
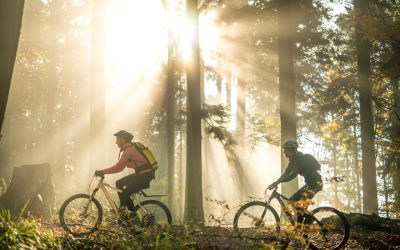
(268, 188)
(97, 177)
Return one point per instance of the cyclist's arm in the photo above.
(120, 165)
(289, 174)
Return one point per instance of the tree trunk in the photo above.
(181, 177)
(348, 183)
(396, 187)
(373, 223)
(50, 135)
(370, 199)
(11, 13)
(30, 190)
(171, 81)
(97, 98)
(219, 87)
(396, 173)
(194, 193)
(386, 193)
(335, 184)
(287, 89)
(356, 169)
(229, 87)
(241, 111)
(202, 83)
(181, 100)
(240, 131)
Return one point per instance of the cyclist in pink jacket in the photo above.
(129, 157)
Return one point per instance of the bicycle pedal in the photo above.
(131, 222)
(135, 221)
(124, 223)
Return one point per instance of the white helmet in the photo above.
(290, 144)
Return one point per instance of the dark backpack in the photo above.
(312, 162)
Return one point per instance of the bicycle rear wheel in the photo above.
(327, 229)
(80, 214)
(256, 219)
(153, 212)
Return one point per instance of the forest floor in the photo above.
(114, 236)
(33, 233)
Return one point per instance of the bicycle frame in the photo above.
(280, 198)
(313, 223)
(102, 185)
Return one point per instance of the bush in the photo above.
(18, 232)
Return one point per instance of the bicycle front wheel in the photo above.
(80, 214)
(153, 212)
(256, 218)
(328, 228)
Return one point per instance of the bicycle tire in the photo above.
(69, 202)
(337, 225)
(146, 204)
(273, 219)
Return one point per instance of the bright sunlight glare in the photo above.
(209, 35)
(136, 51)
(137, 33)
(135, 39)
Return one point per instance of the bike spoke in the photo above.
(151, 213)
(327, 230)
(255, 220)
(80, 215)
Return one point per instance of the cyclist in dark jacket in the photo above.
(306, 166)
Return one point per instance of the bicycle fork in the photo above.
(88, 206)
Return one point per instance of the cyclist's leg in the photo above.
(299, 194)
(137, 183)
(300, 202)
(121, 184)
(307, 196)
(124, 181)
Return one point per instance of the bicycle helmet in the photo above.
(290, 144)
(124, 134)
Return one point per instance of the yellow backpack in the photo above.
(146, 153)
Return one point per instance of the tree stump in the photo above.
(30, 190)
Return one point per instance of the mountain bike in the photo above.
(82, 214)
(321, 228)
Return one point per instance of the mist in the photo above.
(75, 83)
